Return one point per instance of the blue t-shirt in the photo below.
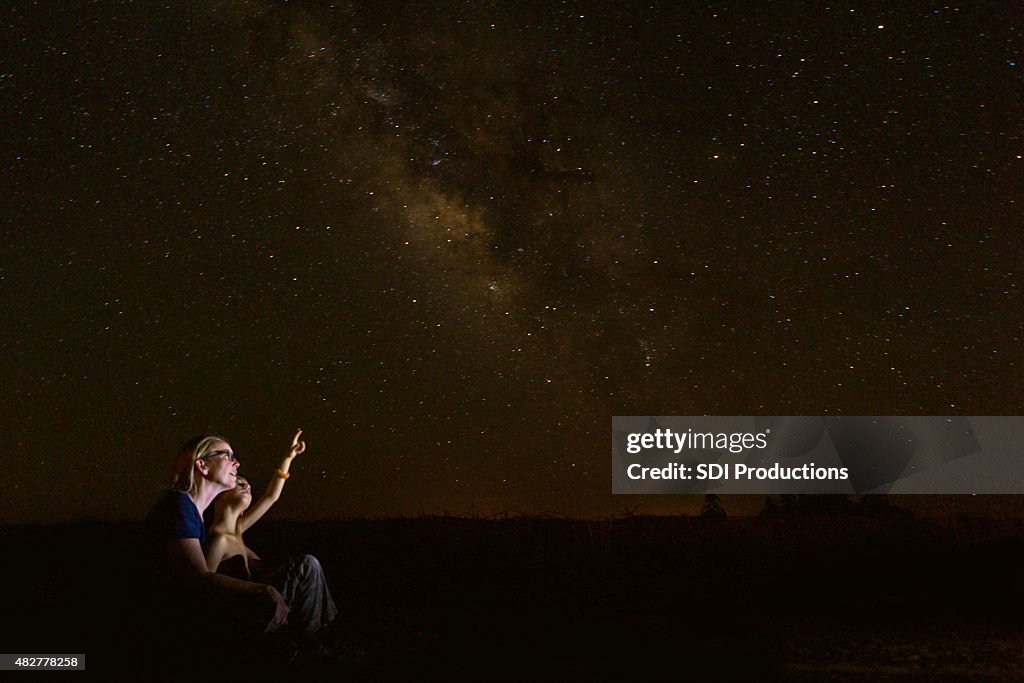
(176, 516)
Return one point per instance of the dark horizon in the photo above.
(736, 507)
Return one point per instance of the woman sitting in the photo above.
(205, 467)
(300, 581)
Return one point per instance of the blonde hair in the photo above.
(183, 478)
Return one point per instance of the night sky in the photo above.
(451, 240)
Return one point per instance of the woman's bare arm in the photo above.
(187, 556)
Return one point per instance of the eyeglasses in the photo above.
(227, 454)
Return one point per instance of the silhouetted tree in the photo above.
(712, 508)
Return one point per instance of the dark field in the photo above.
(543, 599)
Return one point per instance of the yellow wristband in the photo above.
(283, 475)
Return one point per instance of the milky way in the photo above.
(450, 242)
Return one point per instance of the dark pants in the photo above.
(303, 586)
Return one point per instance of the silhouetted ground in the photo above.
(544, 599)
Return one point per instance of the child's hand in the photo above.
(297, 446)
